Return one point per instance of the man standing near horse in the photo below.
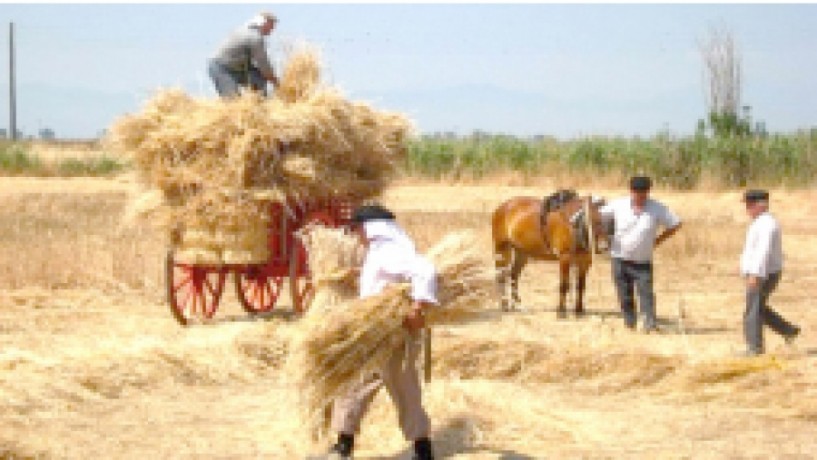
(636, 220)
(761, 264)
(242, 59)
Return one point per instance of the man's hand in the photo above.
(415, 319)
(752, 282)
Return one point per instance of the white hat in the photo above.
(262, 18)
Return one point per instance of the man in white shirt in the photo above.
(636, 220)
(242, 59)
(391, 257)
(761, 264)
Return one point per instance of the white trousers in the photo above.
(401, 380)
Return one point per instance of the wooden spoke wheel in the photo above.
(300, 278)
(193, 291)
(257, 290)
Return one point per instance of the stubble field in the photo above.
(92, 365)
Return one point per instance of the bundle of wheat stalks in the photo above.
(333, 256)
(337, 347)
(307, 141)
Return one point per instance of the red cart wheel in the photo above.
(256, 290)
(300, 278)
(193, 291)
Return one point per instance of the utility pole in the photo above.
(12, 89)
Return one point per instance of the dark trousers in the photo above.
(759, 313)
(628, 276)
(228, 81)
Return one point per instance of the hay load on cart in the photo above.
(231, 181)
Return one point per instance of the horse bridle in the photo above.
(581, 230)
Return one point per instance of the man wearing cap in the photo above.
(761, 264)
(390, 257)
(242, 59)
(636, 220)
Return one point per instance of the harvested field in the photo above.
(92, 365)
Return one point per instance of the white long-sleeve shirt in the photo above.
(635, 233)
(392, 258)
(763, 251)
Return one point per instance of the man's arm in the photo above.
(759, 249)
(423, 277)
(667, 233)
(259, 55)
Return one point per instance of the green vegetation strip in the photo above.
(16, 160)
(676, 162)
(681, 163)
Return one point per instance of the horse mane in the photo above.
(558, 199)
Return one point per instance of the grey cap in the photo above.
(640, 183)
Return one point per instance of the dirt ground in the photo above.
(92, 365)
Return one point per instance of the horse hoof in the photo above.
(561, 314)
(580, 313)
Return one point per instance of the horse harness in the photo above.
(555, 202)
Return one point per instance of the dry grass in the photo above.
(54, 152)
(92, 365)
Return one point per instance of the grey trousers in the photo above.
(228, 81)
(403, 384)
(758, 313)
(627, 276)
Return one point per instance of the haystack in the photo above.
(307, 142)
(341, 345)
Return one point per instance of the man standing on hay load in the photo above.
(242, 60)
(391, 257)
(636, 220)
(761, 264)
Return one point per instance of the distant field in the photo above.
(681, 163)
(58, 159)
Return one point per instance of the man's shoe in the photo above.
(342, 450)
(790, 338)
(422, 449)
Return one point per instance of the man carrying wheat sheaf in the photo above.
(391, 257)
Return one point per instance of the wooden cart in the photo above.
(194, 290)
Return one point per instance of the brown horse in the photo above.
(527, 228)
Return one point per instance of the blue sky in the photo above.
(525, 69)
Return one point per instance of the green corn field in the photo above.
(675, 162)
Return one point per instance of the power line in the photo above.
(12, 89)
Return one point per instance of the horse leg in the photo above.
(503, 253)
(564, 285)
(519, 262)
(581, 283)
